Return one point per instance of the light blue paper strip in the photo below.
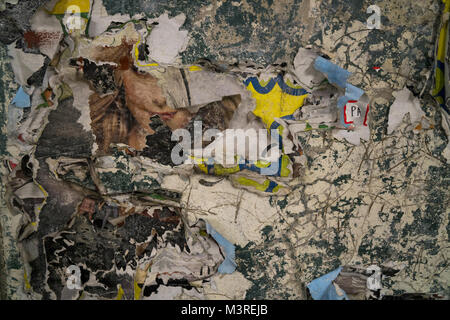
(228, 265)
(22, 99)
(335, 74)
(323, 289)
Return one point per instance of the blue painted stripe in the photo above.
(257, 86)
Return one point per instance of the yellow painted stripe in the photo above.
(39, 208)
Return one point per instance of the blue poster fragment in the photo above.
(323, 289)
(228, 265)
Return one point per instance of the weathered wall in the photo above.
(385, 200)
